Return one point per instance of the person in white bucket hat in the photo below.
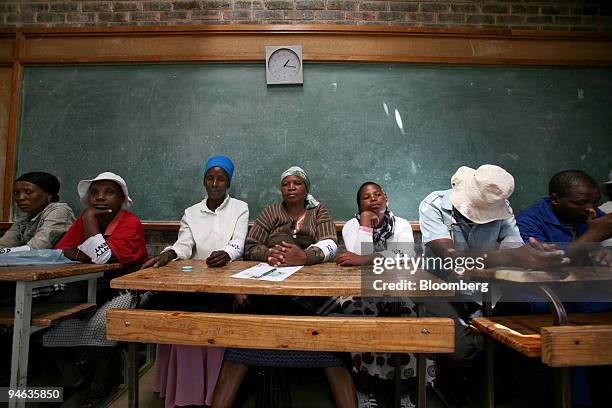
(475, 216)
(83, 188)
(105, 231)
(474, 220)
(482, 195)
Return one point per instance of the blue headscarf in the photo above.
(220, 161)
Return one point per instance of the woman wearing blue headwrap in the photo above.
(213, 229)
(218, 209)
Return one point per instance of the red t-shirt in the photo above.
(124, 236)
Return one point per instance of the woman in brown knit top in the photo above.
(296, 231)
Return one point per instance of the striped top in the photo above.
(273, 225)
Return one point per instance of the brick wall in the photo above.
(585, 15)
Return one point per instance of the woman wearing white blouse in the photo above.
(374, 231)
(213, 229)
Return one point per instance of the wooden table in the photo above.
(565, 275)
(36, 276)
(275, 332)
(541, 279)
(326, 279)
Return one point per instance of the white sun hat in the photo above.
(83, 187)
(481, 195)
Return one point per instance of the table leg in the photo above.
(397, 369)
(489, 397)
(132, 375)
(21, 339)
(421, 369)
(397, 372)
(562, 384)
(92, 288)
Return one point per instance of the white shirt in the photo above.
(357, 237)
(204, 231)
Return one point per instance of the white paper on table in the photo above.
(263, 271)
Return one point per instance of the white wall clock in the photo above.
(284, 65)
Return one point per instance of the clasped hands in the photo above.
(285, 254)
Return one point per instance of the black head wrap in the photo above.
(47, 182)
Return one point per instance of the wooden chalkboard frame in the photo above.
(33, 46)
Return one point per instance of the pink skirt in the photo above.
(187, 375)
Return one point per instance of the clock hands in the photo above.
(288, 66)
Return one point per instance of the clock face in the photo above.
(285, 66)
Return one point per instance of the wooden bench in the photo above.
(45, 314)
(586, 341)
(310, 333)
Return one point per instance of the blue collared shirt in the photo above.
(437, 222)
(541, 223)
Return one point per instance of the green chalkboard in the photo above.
(407, 127)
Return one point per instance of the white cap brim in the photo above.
(83, 187)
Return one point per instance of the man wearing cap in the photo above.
(569, 218)
(474, 219)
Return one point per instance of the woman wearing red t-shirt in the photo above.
(105, 231)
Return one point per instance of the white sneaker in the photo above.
(366, 401)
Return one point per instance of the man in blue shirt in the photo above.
(569, 218)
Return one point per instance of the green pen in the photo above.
(265, 273)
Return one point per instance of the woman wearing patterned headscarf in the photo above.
(44, 219)
(376, 232)
(295, 231)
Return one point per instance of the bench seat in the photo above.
(310, 333)
(46, 314)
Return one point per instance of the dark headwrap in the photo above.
(47, 182)
(387, 229)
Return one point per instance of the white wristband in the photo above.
(328, 247)
(96, 248)
(22, 248)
